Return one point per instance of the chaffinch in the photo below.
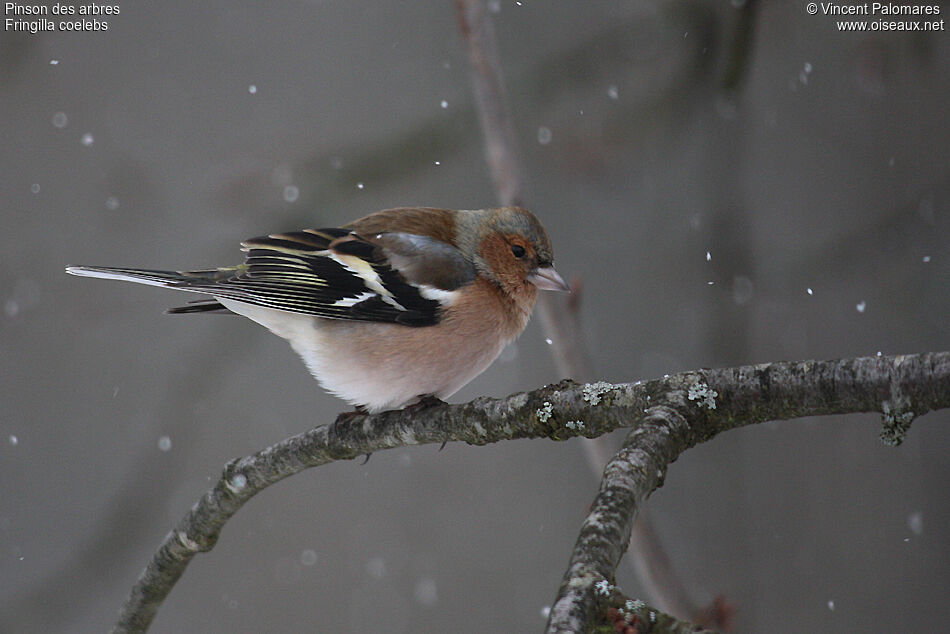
(395, 307)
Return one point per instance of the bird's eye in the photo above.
(517, 250)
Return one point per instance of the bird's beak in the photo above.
(547, 279)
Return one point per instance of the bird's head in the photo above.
(510, 247)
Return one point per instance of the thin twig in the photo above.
(489, 90)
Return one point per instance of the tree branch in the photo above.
(667, 416)
(900, 387)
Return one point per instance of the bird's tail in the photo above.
(141, 276)
(195, 281)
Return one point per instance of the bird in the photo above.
(402, 307)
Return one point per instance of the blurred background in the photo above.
(732, 182)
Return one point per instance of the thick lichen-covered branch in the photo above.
(694, 407)
(666, 416)
(479, 422)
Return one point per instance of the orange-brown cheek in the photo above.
(497, 252)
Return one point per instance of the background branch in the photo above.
(560, 316)
(489, 91)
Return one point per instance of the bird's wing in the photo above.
(337, 273)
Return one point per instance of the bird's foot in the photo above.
(425, 401)
(345, 417)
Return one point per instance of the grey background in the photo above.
(833, 178)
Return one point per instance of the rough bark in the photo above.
(666, 416)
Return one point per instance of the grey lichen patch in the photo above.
(594, 519)
(577, 582)
(594, 392)
(187, 542)
(630, 608)
(897, 417)
(576, 425)
(604, 588)
(545, 412)
(518, 400)
(583, 581)
(701, 392)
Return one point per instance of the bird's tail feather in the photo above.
(200, 306)
(184, 280)
(141, 276)
(196, 281)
